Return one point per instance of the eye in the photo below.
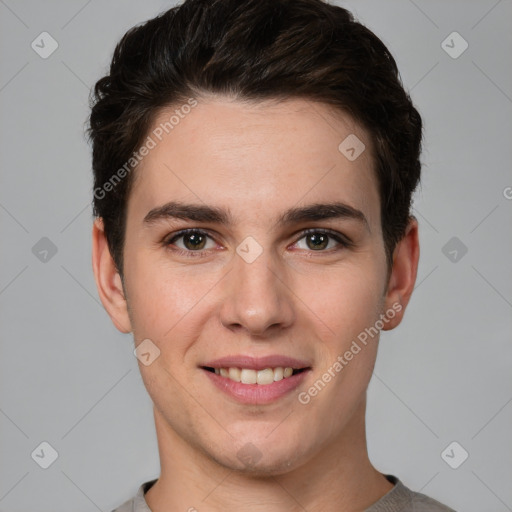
(319, 240)
(193, 240)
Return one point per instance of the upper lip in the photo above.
(257, 363)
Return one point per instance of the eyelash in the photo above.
(342, 240)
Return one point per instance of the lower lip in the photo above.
(257, 393)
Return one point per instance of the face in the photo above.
(282, 265)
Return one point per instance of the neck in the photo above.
(339, 477)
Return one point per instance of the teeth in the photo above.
(262, 377)
(278, 374)
(248, 376)
(265, 376)
(234, 374)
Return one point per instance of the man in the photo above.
(254, 163)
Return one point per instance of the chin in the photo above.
(268, 460)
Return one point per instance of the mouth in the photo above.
(262, 377)
(250, 380)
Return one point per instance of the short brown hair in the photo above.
(253, 50)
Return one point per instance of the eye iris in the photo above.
(319, 241)
(194, 241)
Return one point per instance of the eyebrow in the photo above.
(204, 213)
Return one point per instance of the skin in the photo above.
(257, 160)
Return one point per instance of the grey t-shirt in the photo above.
(398, 499)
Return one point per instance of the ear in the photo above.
(403, 274)
(108, 280)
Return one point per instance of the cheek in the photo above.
(160, 297)
(343, 301)
(343, 316)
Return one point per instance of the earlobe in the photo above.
(108, 280)
(403, 274)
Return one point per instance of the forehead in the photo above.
(256, 157)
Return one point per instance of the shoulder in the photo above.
(422, 503)
(138, 502)
(403, 499)
(127, 506)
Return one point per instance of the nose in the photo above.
(258, 298)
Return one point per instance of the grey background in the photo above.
(70, 379)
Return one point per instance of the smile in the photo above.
(262, 377)
(256, 380)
